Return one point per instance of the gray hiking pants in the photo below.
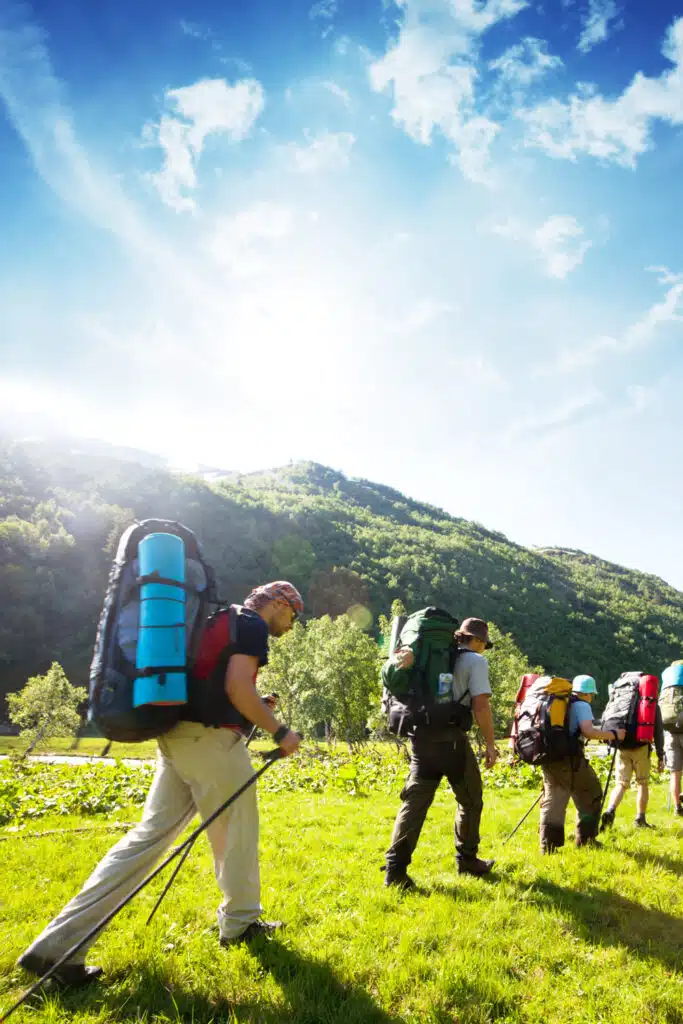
(197, 770)
(430, 761)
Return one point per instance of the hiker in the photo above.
(633, 756)
(445, 750)
(198, 768)
(671, 708)
(573, 776)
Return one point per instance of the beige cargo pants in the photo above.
(572, 778)
(197, 770)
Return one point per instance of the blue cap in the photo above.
(584, 684)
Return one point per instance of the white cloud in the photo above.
(178, 172)
(638, 335)
(596, 26)
(324, 12)
(574, 411)
(324, 152)
(669, 310)
(524, 63)
(559, 242)
(420, 315)
(194, 30)
(640, 398)
(611, 130)
(209, 107)
(475, 139)
(431, 72)
(237, 242)
(337, 91)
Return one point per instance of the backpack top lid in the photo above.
(554, 685)
(431, 623)
(673, 675)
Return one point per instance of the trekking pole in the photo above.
(187, 852)
(270, 757)
(609, 777)
(520, 823)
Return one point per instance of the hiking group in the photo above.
(164, 667)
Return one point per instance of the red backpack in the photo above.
(208, 701)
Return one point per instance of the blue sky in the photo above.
(436, 244)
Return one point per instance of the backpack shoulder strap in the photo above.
(232, 623)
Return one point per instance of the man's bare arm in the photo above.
(481, 707)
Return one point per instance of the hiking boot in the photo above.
(72, 975)
(679, 810)
(252, 931)
(640, 822)
(607, 820)
(398, 878)
(474, 866)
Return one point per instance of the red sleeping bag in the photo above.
(648, 688)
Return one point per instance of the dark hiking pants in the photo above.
(431, 760)
(573, 778)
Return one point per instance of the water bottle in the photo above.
(445, 694)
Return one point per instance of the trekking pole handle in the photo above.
(276, 752)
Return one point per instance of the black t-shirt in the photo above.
(208, 701)
(252, 636)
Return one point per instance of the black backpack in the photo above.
(421, 697)
(543, 734)
(113, 670)
(632, 705)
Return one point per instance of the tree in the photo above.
(325, 672)
(47, 705)
(507, 665)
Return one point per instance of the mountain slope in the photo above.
(342, 541)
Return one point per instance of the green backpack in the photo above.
(671, 707)
(423, 695)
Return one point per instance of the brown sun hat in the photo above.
(477, 628)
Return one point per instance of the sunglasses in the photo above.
(295, 614)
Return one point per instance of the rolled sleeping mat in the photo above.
(161, 635)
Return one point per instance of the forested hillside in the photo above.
(343, 542)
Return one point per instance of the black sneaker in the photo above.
(474, 866)
(607, 820)
(72, 975)
(252, 931)
(642, 823)
(399, 879)
(679, 811)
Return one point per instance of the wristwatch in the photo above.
(281, 733)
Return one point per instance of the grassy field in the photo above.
(584, 936)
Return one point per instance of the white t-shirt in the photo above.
(470, 676)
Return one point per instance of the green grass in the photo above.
(584, 936)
